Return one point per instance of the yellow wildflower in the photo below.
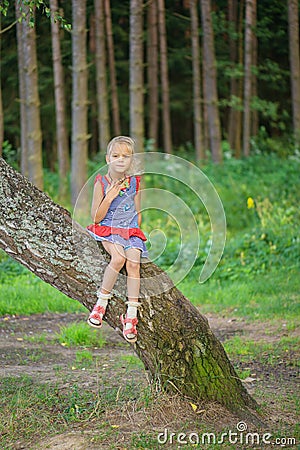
(250, 203)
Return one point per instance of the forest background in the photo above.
(206, 79)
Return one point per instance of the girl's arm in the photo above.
(100, 202)
(137, 201)
(99, 208)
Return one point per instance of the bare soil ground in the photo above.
(273, 383)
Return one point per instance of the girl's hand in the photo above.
(114, 190)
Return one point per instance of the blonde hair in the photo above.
(126, 140)
(134, 168)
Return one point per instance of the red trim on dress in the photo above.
(125, 233)
(100, 179)
(138, 181)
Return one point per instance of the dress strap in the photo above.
(100, 179)
(137, 183)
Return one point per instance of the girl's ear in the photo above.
(107, 159)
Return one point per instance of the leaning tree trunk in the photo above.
(175, 343)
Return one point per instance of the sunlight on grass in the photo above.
(27, 294)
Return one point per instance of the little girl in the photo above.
(116, 215)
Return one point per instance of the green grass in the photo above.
(266, 352)
(80, 334)
(269, 296)
(26, 294)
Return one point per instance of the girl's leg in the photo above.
(133, 258)
(109, 278)
(111, 272)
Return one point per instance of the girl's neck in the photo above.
(115, 176)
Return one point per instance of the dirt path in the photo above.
(269, 380)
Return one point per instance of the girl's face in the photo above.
(119, 158)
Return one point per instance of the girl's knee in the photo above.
(117, 261)
(132, 267)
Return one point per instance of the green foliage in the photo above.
(10, 154)
(272, 102)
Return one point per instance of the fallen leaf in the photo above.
(195, 407)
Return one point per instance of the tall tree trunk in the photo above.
(79, 103)
(210, 81)
(174, 342)
(1, 106)
(233, 52)
(152, 72)
(112, 70)
(239, 115)
(254, 113)
(92, 87)
(250, 7)
(136, 78)
(293, 17)
(136, 71)
(32, 102)
(198, 122)
(102, 95)
(24, 147)
(60, 108)
(166, 117)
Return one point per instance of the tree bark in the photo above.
(1, 106)
(293, 17)
(235, 17)
(31, 102)
(210, 81)
(60, 105)
(79, 103)
(233, 53)
(167, 135)
(254, 112)
(152, 73)
(102, 95)
(136, 74)
(175, 343)
(24, 149)
(250, 7)
(198, 122)
(112, 70)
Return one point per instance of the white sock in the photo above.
(131, 314)
(102, 301)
